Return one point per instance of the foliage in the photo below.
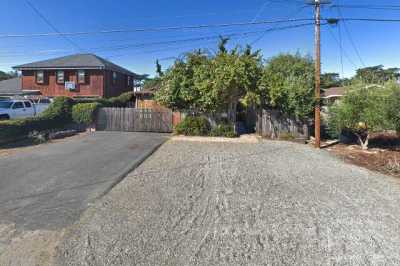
(329, 80)
(9, 75)
(193, 126)
(223, 130)
(393, 105)
(207, 84)
(287, 83)
(60, 110)
(85, 113)
(56, 116)
(119, 101)
(361, 111)
(376, 74)
(159, 71)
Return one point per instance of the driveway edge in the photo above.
(119, 177)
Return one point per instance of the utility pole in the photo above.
(317, 122)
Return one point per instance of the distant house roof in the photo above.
(77, 61)
(10, 87)
(333, 92)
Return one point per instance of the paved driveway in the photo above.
(48, 186)
(270, 203)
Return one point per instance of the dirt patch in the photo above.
(27, 248)
(386, 161)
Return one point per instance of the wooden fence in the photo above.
(131, 119)
(272, 124)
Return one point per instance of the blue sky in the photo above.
(377, 42)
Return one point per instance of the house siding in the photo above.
(112, 89)
(92, 87)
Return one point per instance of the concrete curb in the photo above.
(119, 177)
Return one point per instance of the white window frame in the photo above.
(114, 77)
(79, 74)
(39, 73)
(59, 74)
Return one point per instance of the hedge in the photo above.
(85, 113)
(56, 116)
(224, 130)
(120, 101)
(193, 126)
(62, 110)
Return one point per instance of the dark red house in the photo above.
(79, 75)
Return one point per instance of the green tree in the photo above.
(287, 84)
(208, 84)
(363, 110)
(393, 105)
(329, 80)
(376, 74)
(9, 75)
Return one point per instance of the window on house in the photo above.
(81, 76)
(39, 77)
(129, 80)
(60, 77)
(114, 77)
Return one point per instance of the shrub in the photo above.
(60, 110)
(56, 116)
(193, 126)
(85, 113)
(223, 130)
(118, 101)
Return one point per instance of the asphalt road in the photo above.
(49, 186)
(269, 203)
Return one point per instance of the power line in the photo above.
(178, 41)
(341, 49)
(265, 32)
(52, 25)
(155, 29)
(350, 37)
(344, 51)
(373, 7)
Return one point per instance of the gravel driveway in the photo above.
(45, 188)
(269, 203)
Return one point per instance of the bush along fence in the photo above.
(62, 113)
(273, 124)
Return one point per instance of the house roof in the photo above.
(76, 61)
(333, 92)
(10, 86)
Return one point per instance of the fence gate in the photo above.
(132, 119)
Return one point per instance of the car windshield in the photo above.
(4, 104)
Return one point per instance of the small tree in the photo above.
(288, 85)
(393, 105)
(361, 111)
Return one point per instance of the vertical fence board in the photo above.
(131, 119)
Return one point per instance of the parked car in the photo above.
(41, 104)
(12, 109)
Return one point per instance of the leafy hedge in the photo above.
(85, 113)
(120, 101)
(224, 130)
(193, 126)
(56, 116)
(199, 126)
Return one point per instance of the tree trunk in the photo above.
(363, 144)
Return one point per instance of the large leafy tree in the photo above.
(287, 84)
(329, 80)
(376, 74)
(207, 84)
(363, 110)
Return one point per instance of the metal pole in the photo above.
(317, 74)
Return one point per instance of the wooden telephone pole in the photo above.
(317, 123)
